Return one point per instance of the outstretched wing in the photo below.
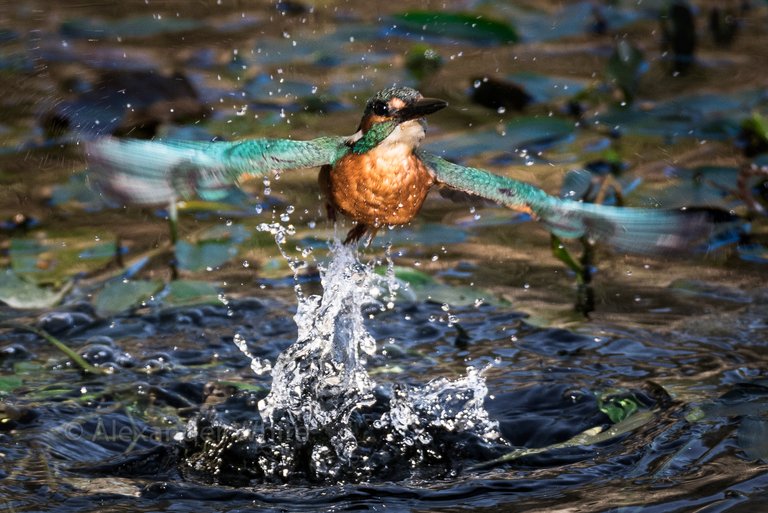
(154, 172)
(635, 230)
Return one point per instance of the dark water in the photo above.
(681, 338)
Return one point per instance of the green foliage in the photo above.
(19, 293)
(420, 286)
(9, 383)
(119, 295)
(61, 346)
(189, 292)
(203, 255)
(54, 259)
(561, 253)
(618, 407)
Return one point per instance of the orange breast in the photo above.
(376, 190)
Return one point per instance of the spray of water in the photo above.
(325, 418)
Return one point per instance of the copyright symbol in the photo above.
(72, 430)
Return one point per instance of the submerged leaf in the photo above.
(118, 296)
(126, 102)
(538, 131)
(428, 234)
(499, 95)
(753, 253)
(699, 115)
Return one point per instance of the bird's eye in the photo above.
(380, 108)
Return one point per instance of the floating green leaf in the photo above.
(203, 255)
(469, 27)
(56, 259)
(188, 292)
(18, 293)
(118, 296)
(410, 276)
(420, 286)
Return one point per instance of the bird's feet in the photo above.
(359, 230)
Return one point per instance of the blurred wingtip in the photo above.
(635, 230)
(129, 171)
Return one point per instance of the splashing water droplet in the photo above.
(258, 366)
(324, 414)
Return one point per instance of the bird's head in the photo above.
(398, 112)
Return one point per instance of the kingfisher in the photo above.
(378, 176)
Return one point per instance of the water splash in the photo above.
(320, 380)
(326, 419)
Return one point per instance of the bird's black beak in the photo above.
(420, 108)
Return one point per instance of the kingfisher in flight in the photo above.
(376, 177)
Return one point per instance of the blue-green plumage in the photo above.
(376, 176)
